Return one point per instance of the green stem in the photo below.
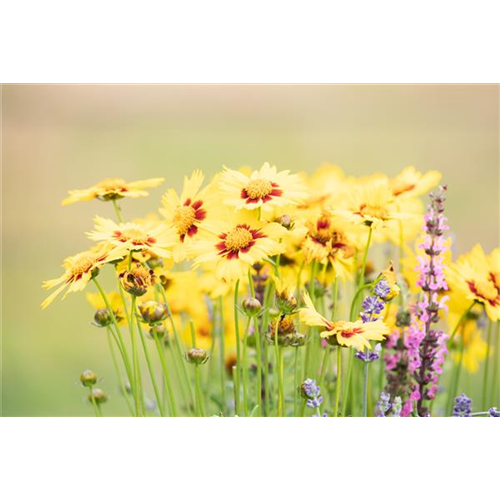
(111, 337)
(245, 370)
(123, 351)
(258, 346)
(281, 401)
(295, 381)
(98, 447)
(166, 375)
(222, 356)
(460, 321)
(238, 347)
(365, 257)
(348, 381)
(487, 365)
(494, 399)
(118, 211)
(236, 387)
(135, 360)
(455, 378)
(365, 385)
(337, 383)
(150, 369)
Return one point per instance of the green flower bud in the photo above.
(102, 318)
(196, 356)
(251, 306)
(88, 378)
(158, 330)
(153, 312)
(99, 396)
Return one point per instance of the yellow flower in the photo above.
(372, 204)
(188, 211)
(132, 237)
(79, 270)
(477, 276)
(235, 244)
(349, 334)
(112, 189)
(265, 188)
(412, 183)
(327, 243)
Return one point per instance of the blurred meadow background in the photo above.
(61, 137)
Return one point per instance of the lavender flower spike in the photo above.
(462, 406)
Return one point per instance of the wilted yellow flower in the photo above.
(265, 188)
(132, 237)
(477, 276)
(112, 189)
(79, 270)
(349, 334)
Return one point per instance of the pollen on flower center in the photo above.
(238, 238)
(83, 264)
(184, 218)
(258, 188)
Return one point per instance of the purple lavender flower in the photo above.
(311, 391)
(372, 305)
(382, 289)
(384, 404)
(369, 357)
(494, 412)
(426, 346)
(462, 406)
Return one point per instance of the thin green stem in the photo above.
(494, 399)
(365, 257)
(135, 360)
(244, 368)
(460, 321)
(150, 369)
(222, 356)
(295, 381)
(487, 365)
(258, 346)
(123, 350)
(238, 346)
(118, 211)
(111, 336)
(166, 375)
(337, 383)
(94, 403)
(366, 369)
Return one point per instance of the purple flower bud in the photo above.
(462, 406)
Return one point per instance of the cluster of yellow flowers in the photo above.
(252, 224)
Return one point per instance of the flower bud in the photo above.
(158, 330)
(298, 340)
(403, 318)
(286, 304)
(251, 306)
(196, 356)
(137, 280)
(88, 378)
(98, 395)
(286, 221)
(286, 331)
(153, 312)
(102, 318)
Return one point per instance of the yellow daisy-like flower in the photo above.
(265, 188)
(477, 276)
(79, 269)
(112, 189)
(328, 243)
(188, 211)
(349, 334)
(236, 244)
(412, 183)
(132, 237)
(372, 204)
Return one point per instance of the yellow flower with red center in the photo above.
(327, 242)
(235, 244)
(187, 212)
(112, 189)
(477, 276)
(79, 270)
(265, 188)
(349, 334)
(132, 237)
(372, 204)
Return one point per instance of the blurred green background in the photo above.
(60, 137)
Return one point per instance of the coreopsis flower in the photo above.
(138, 280)
(349, 334)
(187, 212)
(372, 204)
(236, 244)
(327, 242)
(327, 186)
(112, 189)
(265, 188)
(79, 269)
(285, 299)
(132, 237)
(477, 276)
